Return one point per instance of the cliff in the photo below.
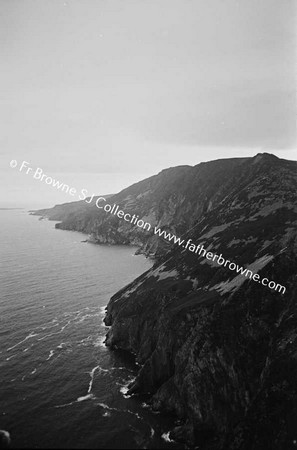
(217, 349)
(173, 200)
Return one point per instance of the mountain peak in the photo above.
(264, 157)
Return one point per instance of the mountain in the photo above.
(216, 348)
(173, 200)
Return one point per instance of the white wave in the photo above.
(51, 353)
(10, 357)
(110, 408)
(125, 388)
(67, 314)
(32, 334)
(84, 397)
(47, 323)
(86, 316)
(100, 342)
(104, 370)
(133, 414)
(121, 368)
(126, 370)
(85, 341)
(33, 371)
(78, 400)
(58, 332)
(166, 438)
(103, 405)
(61, 345)
(92, 373)
(44, 327)
(64, 405)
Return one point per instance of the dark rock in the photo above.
(217, 349)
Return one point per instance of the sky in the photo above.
(103, 93)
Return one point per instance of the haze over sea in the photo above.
(60, 386)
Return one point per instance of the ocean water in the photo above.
(60, 386)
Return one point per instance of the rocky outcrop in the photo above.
(216, 348)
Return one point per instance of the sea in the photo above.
(60, 386)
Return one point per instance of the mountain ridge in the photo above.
(162, 200)
(216, 349)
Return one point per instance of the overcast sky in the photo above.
(102, 93)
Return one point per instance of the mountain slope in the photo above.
(174, 199)
(219, 349)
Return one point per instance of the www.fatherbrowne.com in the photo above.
(38, 174)
(189, 245)
(199, 249)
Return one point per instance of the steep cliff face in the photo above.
(174, 200)
(219, 349)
